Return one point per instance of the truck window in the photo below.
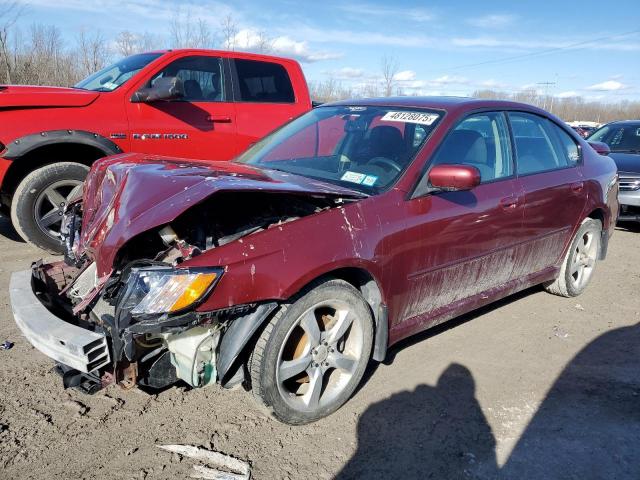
(201, 76)
(263, 82)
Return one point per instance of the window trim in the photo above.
(235, 79)
(571, 133)
(428, 162)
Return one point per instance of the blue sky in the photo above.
(585, 48)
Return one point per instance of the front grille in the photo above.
(629, 183)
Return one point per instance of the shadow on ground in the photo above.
(588, 426)
(7, 230)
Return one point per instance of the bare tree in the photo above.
(389, 69)
(229, 31)
(10, 12)
(126, 43)
(330, 90)
(187, 33)
(92, 51)
(572, 108)
(264, 43)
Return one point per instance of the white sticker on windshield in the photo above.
(353, 177)
(410, 117)
(370, 180)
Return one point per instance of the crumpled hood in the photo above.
(128, 194)
(12, 96)
(626, 162)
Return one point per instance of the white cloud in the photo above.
(254, 41)
(544, 44)
(491, 83)
(405, 76)
(346, 73)
(414, 14)
(493, 20)
(449, 79)
(568, 94)
(352, 37)
(608, 86)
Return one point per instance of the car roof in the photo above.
(439, 103)
(227, 53)
(624, 122)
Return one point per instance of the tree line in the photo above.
(39, 55)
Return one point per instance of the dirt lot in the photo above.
(534, 387)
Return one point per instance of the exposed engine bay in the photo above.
(145, 306)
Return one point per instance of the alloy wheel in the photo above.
(584, 259)
(50, 205)
(320, 355)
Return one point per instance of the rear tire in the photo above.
(312, 355)
(37, 204)
(579, 262)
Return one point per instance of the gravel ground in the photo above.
(535, 387)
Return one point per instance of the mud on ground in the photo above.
(535, 387)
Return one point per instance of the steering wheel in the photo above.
(385, 162)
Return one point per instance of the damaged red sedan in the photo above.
(288, 270)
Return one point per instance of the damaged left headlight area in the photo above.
(140, 329)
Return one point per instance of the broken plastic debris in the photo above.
(233, 469)
(6, 345)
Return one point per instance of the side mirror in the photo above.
(454, 177)
(600, 147)
(165, 88)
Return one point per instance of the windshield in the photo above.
(110, 78)
(362, 148)
(621, 137)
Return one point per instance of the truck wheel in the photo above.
(38, 202)
(313, 353)
(580, 261)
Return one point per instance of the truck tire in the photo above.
(38, 202)
(579, 262)
(312, 355)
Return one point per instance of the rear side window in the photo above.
(481, 141)
(263, 82)
(567, 145)
(540, 144)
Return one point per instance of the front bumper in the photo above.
(629, 201)
(629, 197)
(79, 348)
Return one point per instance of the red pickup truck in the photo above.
(199, 104)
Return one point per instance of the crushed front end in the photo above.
(123, 306)
(138, 329)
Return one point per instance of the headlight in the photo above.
(157, 290)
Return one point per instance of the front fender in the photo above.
(23, 145)
(237, 335)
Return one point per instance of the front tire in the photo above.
(38, 202)
(579, 262)
(313, 353)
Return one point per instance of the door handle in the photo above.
(219, 118)
(577, 187)
(509, 203)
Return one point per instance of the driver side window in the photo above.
(482, 141)
(201, 77)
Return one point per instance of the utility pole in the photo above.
(546, 86)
